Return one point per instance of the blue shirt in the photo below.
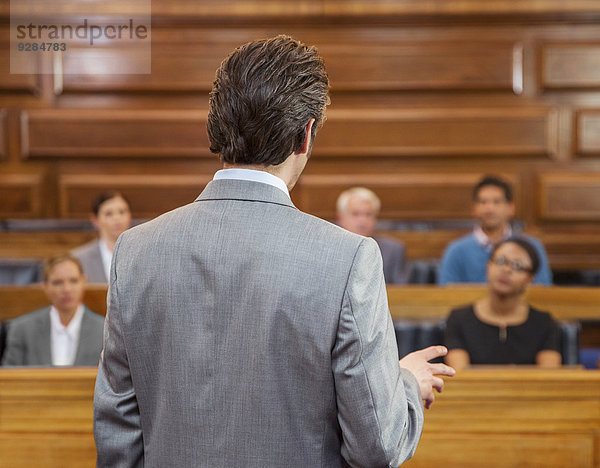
(465, 261)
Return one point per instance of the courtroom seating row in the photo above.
(492, 417)
(413, 335)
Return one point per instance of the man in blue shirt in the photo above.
(465, 259)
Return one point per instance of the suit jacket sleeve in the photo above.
(14, 354)
(117, 426)
(380, 410)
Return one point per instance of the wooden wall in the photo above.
(427, 97)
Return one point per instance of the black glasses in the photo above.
(514, 265)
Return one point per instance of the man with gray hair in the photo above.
(357, 211)
(243, 332)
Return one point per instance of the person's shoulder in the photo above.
(460, 244)
(389, 242)
(537, 243)
(92, 315)
(462, 312)
(540, 315)
(327, 230)
(30, 318)
(86, 248)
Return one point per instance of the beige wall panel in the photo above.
(439, 132)
(149, 195)
(93, 133)
(570, 66)
(569, 196)
(20, 195)
(587, 129)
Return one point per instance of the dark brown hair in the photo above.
(105, 196)
(495, 182)
(526, 246)
(263, 96)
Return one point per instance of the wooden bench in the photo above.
(435, 302)
(406, 302)
(19, 300)
(514, 417)
(492, 417)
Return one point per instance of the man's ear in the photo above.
(307, 137)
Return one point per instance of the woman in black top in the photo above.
(501, 328)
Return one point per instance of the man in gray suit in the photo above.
(243, 332)
(64, 334)
(357, 209)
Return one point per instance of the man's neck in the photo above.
(66, 316)
(496, 234)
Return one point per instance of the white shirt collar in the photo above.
(106, 255)
(484, 241)
(252, 175)
(64, 340)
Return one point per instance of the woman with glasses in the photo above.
(501, 328)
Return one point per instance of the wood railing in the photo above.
(406, 302)
(493, 417)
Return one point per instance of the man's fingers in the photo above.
(437, 383)
(442, 369)
(433, 352)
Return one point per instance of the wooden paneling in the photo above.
(501, 417)
(449, 132)
(434, 302)
(40, 245)
(570, 66)
(195, 64)
(524, 417)
(587, 128)
(376, 66)
(424, 66)
(20, 300)
(3, 134)
(149, 195)
(93, 133)
(569, 196)
(20, 195)
(46, 417)
(13, 82)
(403, 196)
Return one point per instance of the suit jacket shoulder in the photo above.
(91, 260)
(28, 339)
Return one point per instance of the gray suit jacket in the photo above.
(394, 263)
(28, 340)
(243, 332)
(91, 260)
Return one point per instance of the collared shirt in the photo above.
(250, 174)
(106, 255)
(484, 241)
(64, 340)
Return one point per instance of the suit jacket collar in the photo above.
(43, 348)
(234, 189)
(87, 329)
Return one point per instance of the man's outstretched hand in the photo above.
(426, 372)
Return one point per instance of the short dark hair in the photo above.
(263, 96)
(51, 262)
(526, 245)
(104, 196)
(496, 182)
